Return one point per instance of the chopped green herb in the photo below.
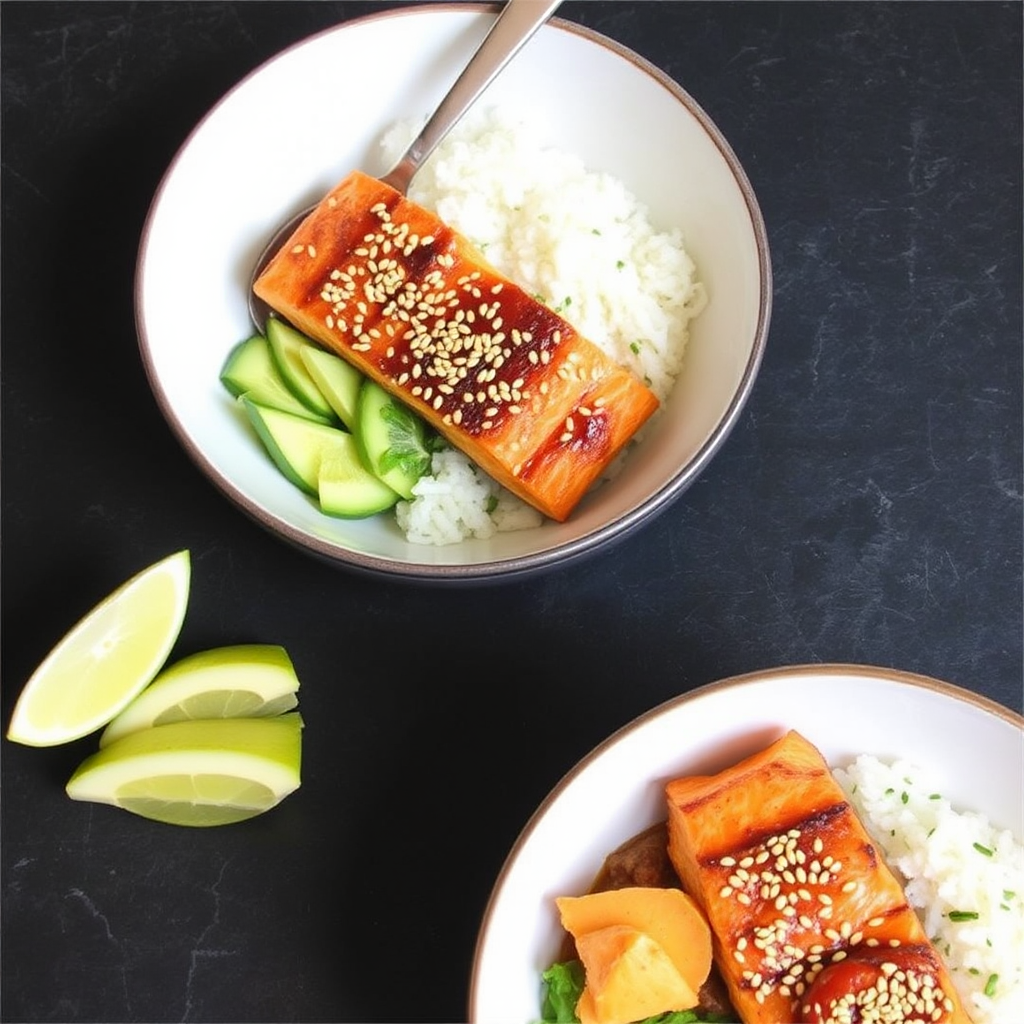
(595, 231)
(973, 970)
(492, 504)
(1008, 894)
(934, 796)
(409, 448)
(990, 985)
(634, 347)
(890, 791)
(963, 915)
(982, 849)
(904, 797)
(619, 264)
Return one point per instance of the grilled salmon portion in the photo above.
(386, 284)
(808, 922)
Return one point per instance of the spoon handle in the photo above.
(514, 26)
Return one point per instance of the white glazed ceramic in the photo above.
(974, 747)
(292, 129)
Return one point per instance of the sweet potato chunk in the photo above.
(629, 977)
(668, 917)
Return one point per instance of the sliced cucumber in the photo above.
(286, 345)
(337, 380)
(393, 440)
(250, 369)
(347, 488)
(296, 444)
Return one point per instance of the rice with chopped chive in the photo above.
(577, 240)
(963, 876)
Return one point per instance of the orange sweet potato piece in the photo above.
(629, 977)
(787, 876)
(390, 287)
(669, 917)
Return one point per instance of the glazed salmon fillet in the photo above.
(808, 923)
(390, 287)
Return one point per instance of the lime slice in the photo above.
(211, 772)
(247, 681)
(105, 660)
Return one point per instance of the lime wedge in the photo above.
(105, 660)
(211, 772)
(247, 681)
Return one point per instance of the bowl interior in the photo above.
(617, 790)
(271, 147)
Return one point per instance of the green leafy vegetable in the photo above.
(410, 446)
(563, 984)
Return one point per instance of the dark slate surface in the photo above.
(867, 508)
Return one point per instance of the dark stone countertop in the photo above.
(867, 507)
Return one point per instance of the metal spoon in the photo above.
(514, 26)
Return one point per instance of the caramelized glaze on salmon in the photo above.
(387, 285)
(793, 886)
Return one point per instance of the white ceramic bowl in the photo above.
(276, 143)
(974, 746)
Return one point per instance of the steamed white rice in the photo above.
(573, 237)
(964, 876)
